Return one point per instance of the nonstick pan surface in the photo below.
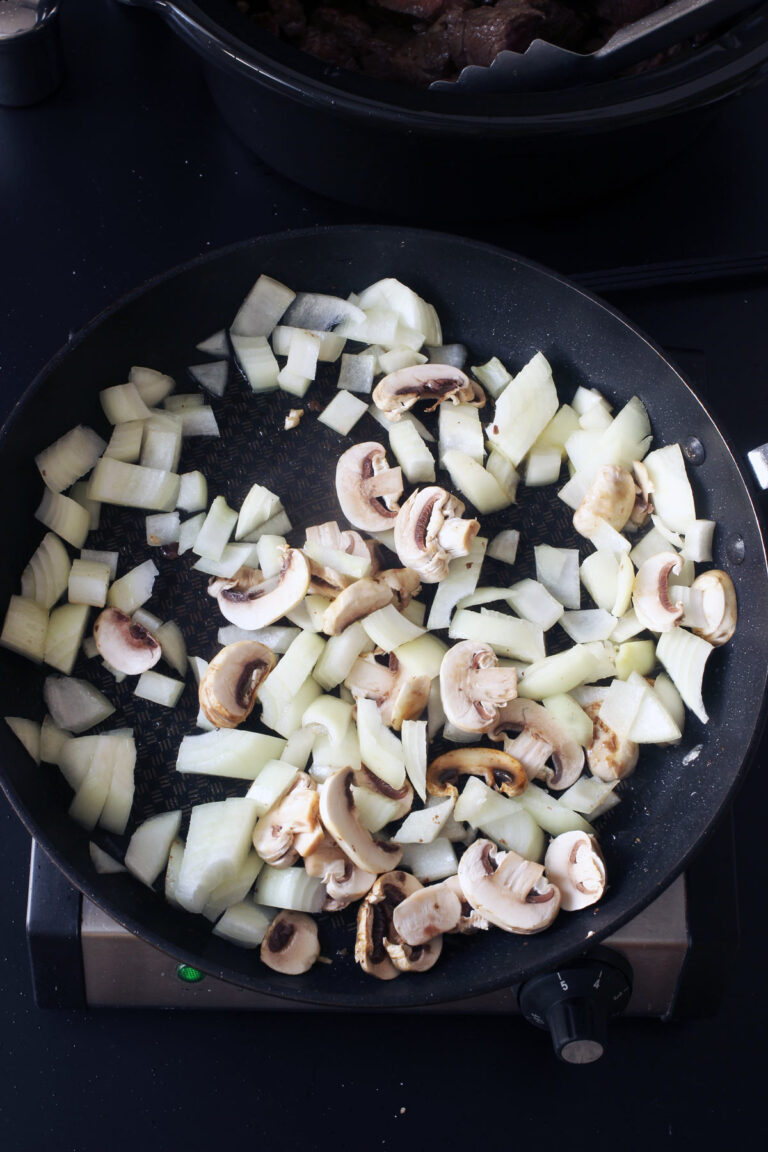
(497, 304)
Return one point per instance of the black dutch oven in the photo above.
(444, 155)
(497, 304)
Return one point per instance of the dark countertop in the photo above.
(127, 171)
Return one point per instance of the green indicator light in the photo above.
(189, 975)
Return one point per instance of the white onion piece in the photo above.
(159, 689)
(380, 749)
(597, 418)
(75, 704)
(626, 627)
(651, 544)
(587, 795)
(257, 362)
(581, 447)
(103, 863)
(480, 487)
(99, 556)
(279, 524)
(289, 888)
(524, 409)
(698, 541)
(343, 412)
(278, 637)
(600, 576)
(65, 517)
(293, 383)
(356, 372)
(213, 376)
(297, 664)
(397, 358)
(410, 309)
(272, 782)
(414, 740)
(134, 588)
(283, 714)
(430, 862)
(424, 825)
(653, 724)
(479, 804)
(233, 557)
(262, 308)
(460, 428)
(374, 811)
(172, 870)
(130, 485)
(321, 312)
(117, 807)
(259, 506)
(152, 386)
(52, 740)
(684, 656)
(461, 581)
(542, 467)
(585, 399)
(508, 636)
(214, 345)
(388, 628)
(234, 890)
(571, 717)
(670, 698)
(558, 673)
(298, 748)
(231, 752)
(189, 531)
(328, 715)
(423, 656)
(564, 422)
(162, 528)
(411, 453)
(216, 530)
(492, 375)
(28, 732)
(66, 629)
(330, 755)
(550, 815)
(92, 792)
(244, 924)
(621, 705)
(171, 640)
(46, 576)
(70, 457)
(327, 344)
(218, 841)
(558, 570)
(588, 624)
(533, 602)
(504, 546)
(672, 494)
(150, 845)
(123, 402)
(181, 401)
(380, 418)
(161, 446)
(199, 421)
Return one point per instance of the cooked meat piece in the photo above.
(510, 24)
(420, 9)
(290, 15)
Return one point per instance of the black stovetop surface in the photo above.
(126, 172)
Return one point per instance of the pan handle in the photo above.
(758, 461)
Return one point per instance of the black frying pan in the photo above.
(496, 304)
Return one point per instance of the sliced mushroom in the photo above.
(609, 757)
(399, 694)
(379, 949)
(404, 582)
(429, 532)
(344, 881)
(353, 603)
(509, 891)
(575, 864)
(473, 687)
(127, 646)
(291, 945)
(337, 812)
(328, 581)
(291, 828)
(610, 497)
(403, 796)
(643, 507)
(400, 390)
(540, 739)
(228, 687)
(717, 600)
(427, 913)
(367, 488)
(499, 771)
(250, 601)
(650, 594)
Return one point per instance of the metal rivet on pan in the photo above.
(734, 548)
(694, 450)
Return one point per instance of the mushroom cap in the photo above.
(643, 507)
(650, 594)
(609, 756)
(251, 602)
(404, 582)
(228, 687)
(429, 532)
(611, 497)
(337, 812)
(498, 769)
(127, 646)
(509, 891)
(400, 390)
(344, 881)
(473, 687)
(545, 739)
(718, 605)
(575, 864)
(353, 603)
(291, 945)
(366, 488)
(427, 913)
(290, 825)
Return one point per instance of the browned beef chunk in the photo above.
(509, 24)
(290, 15)
(420, 9)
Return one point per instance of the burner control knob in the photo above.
(576, 1001)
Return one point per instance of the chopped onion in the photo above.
(46, 576)
(69, 458)
(298, 748)
(550, 815)
(279, 524)
(424, 825)
(374, 811)
(244, 924)
(170, 638)
(461, 581)
(414, 740)
(621, 705)
(66, 628)
(684, 656)
(559, 673)
(233, 557)
(343, 412)
(235, 889)
(430, 862)
(423, 656)
(161, 447)
(131, 485)
(635, 656)
(264, 305)
(564, 422)
(289, 888)
(330, 755)
(587, 625)
(533, 602)
(327, 344)
(159, 689)
(653, 724)
(28, 732)
(587, 795)
(408, 417)
(218, 841)
(231, 752)
(542, 467)
(162, 528)
(517, 832)
(388, 628)
(460, 429)
(672, 494)
(356, 372)
(600, 576)
(216, 530)
(475, 482)
(181, 401)
(150, 845)
(104, 864)
(117, 807)
(75, 704)
(523, 409)
(671, 699)
(92, 792)
(134, 589)
(199, 421)
(380, 749)
(411, 310)
(492, 375)
(271, 783)
(65, 516)
(52, 739)
(698, 541)
(508, 636)
(411, 453)
(329, 715)
(122, 403)
(214, 345)
(397, 358)
(25, 628)
(280, 712)
(101, 557)
(504, 546)
(213, 376)
(152, 386)
(257, 362)
(571, 717)
(321, 312)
